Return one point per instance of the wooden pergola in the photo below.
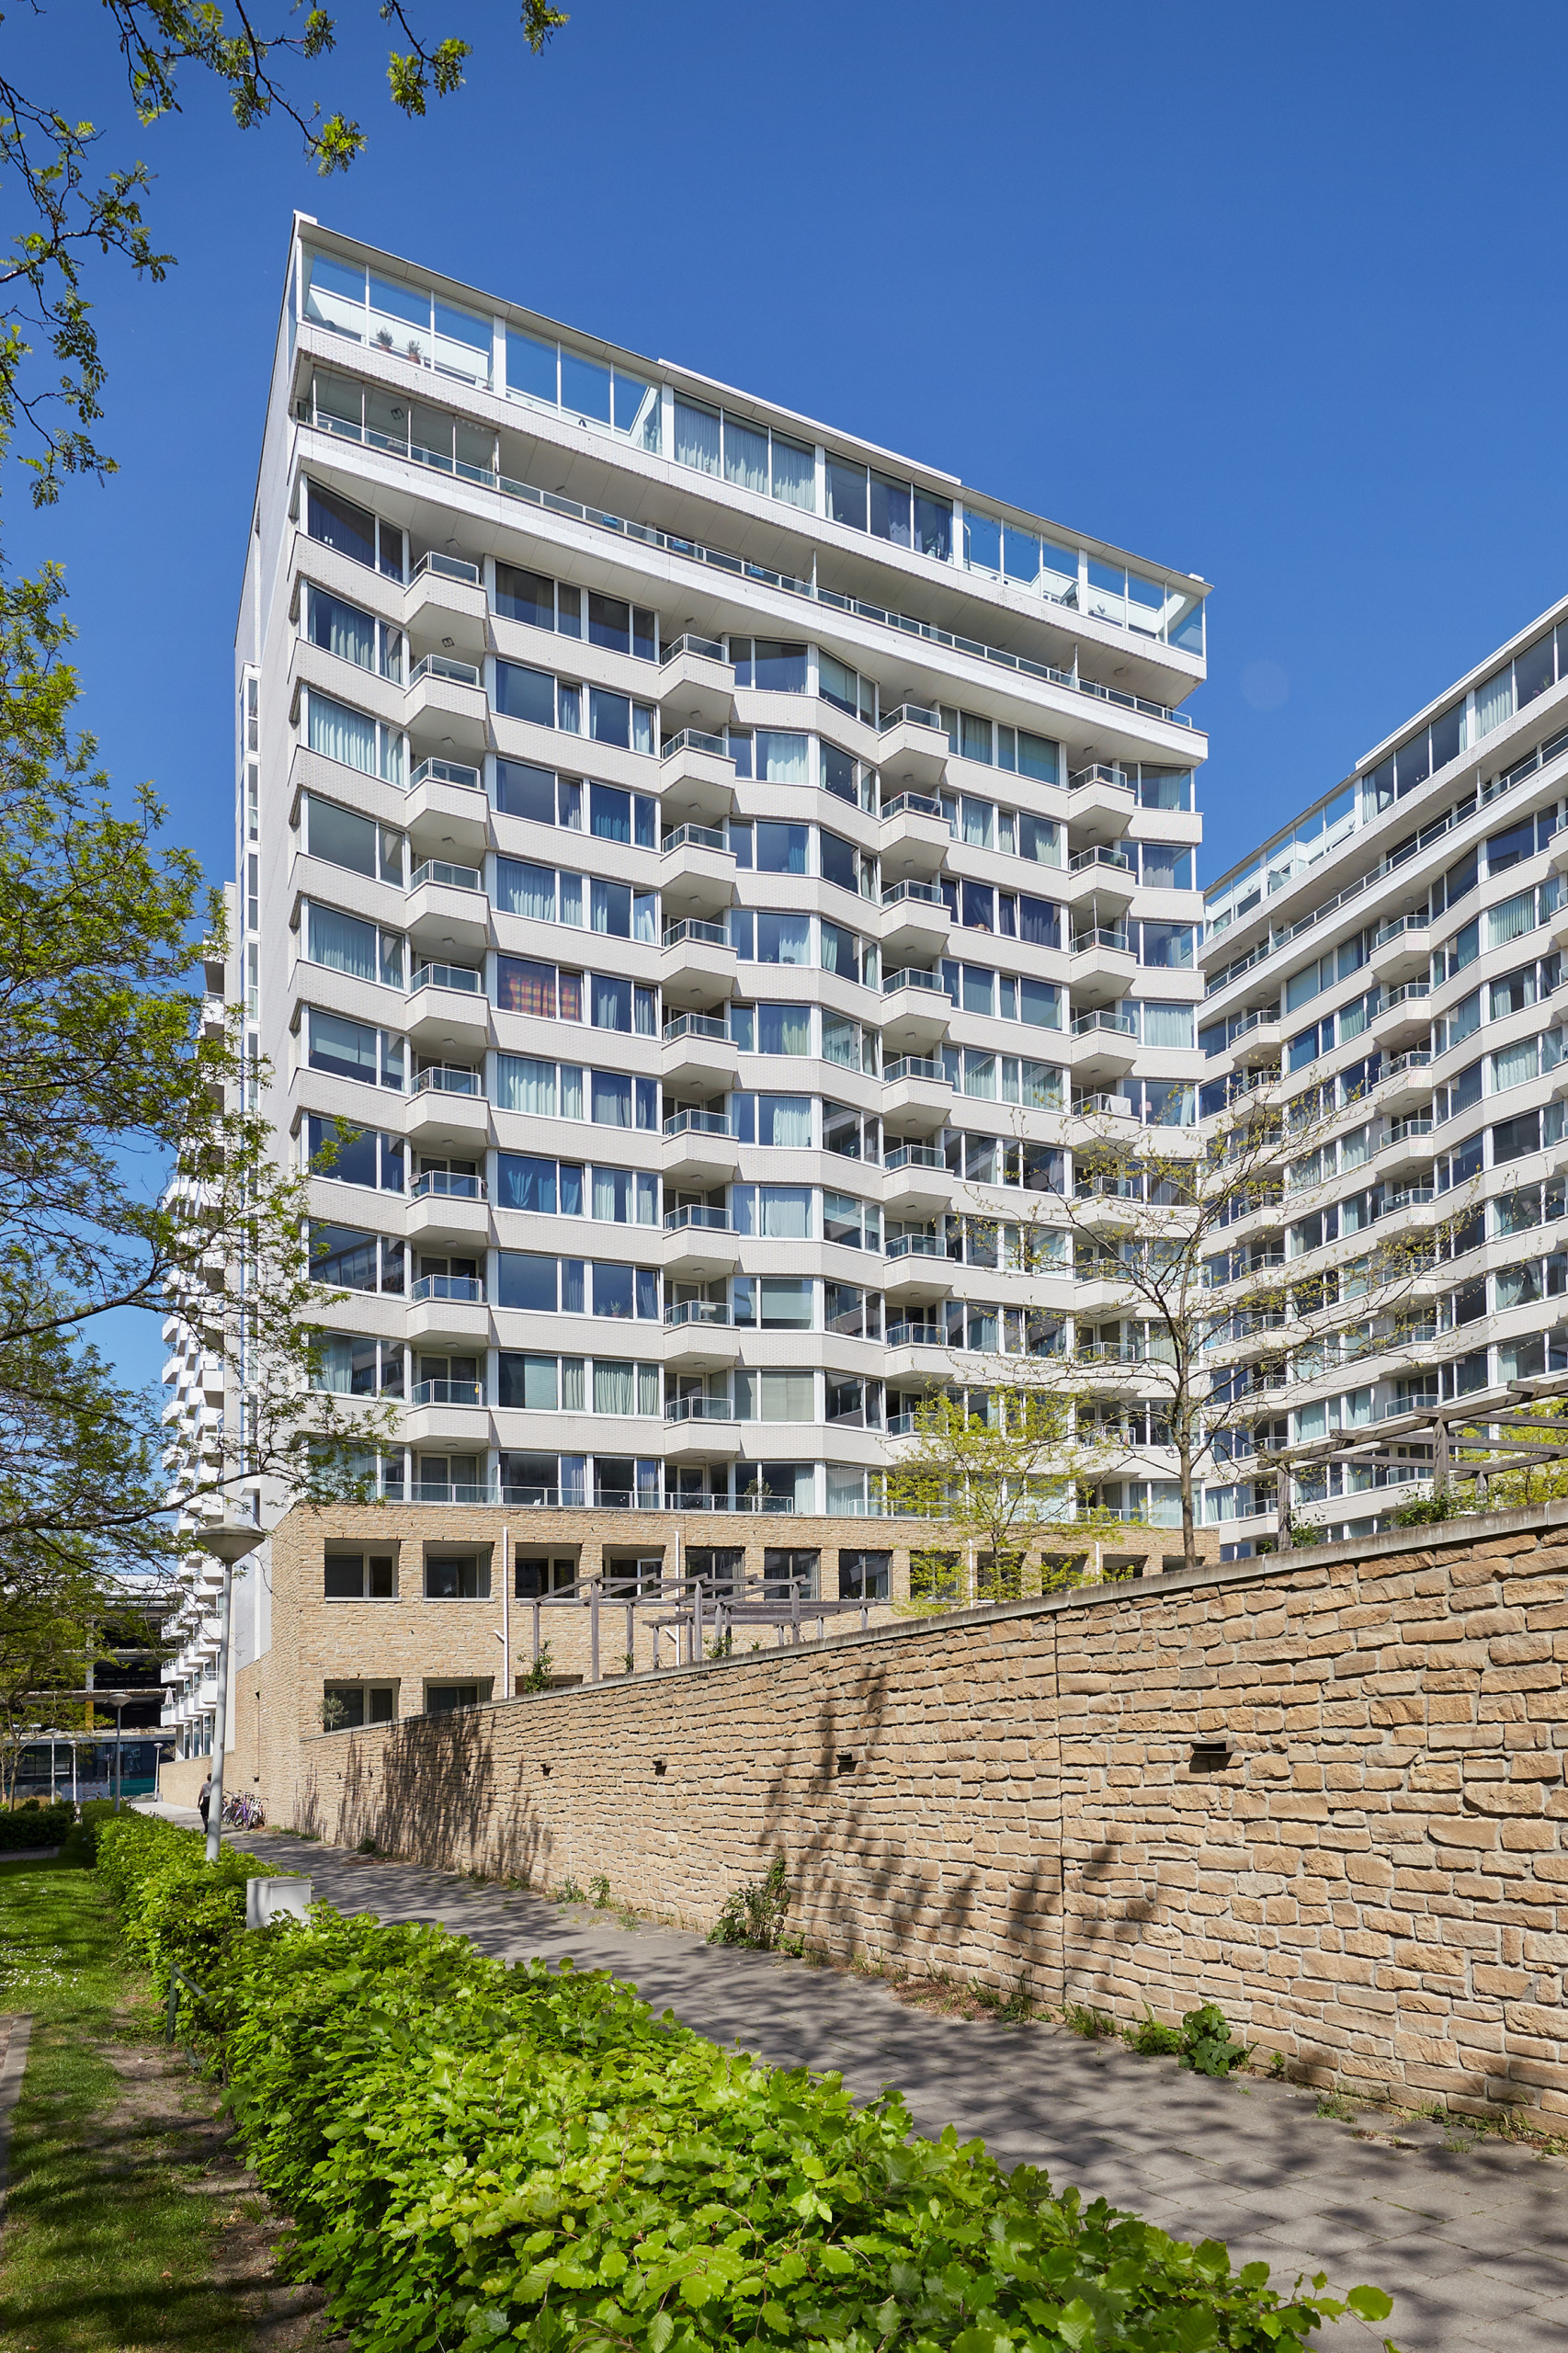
(1481, 1437)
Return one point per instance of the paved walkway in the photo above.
(1471, 2244)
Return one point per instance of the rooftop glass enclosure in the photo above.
(548, 372)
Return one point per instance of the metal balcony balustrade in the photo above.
(713, 934)
(447, 772)
(1116, 860)
(697, 1218)
(706, 649)
(911, 714)
(698, 1312)
(451, 877)
(738, 567)
(699, 1409)
(916, 1246)
(699, 1123)
(914, 1155)
(444, 1079)
(1120, 1025)
(448, 1393)
(1100, 772)
(915, 1066)
(910, 977)
(916, 1335)
(440, 1183)
(694, 1025)
(467, 1289)
(442, 665)
(693, 739)
(1101, 937)
(695, 837)
(928, 894)
(449, 567)
(913, 804)
(461, 977)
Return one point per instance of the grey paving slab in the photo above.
(1471, 2244)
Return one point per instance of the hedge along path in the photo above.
(473, 2153)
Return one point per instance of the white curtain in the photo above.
(1167, 1025)
(787, 1397)
(794, 474)
(746, 457)
(1512, 1066)
(696, 437)
(524, 889)
(785, 1212)
(342, 942)
(613, 1388)
(783, 759)
(1494, 701)
(522, 1084)
(785, 1119)
(1511, 920)
(339, 734)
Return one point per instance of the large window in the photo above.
(342, 629)
(589, 391)
(889, 509)
(352, 1049)
(555, 605)
(396, 317)
(342, 837)
(352, 531)
(354, 738)
(355, 1575)
(750, 456)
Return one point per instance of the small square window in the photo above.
(457, 1576)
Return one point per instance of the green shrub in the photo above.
(1095, 2026)
(178, 1909)
(1153, 2041)
(473, 2152)
(36, 1825)
(754, 1915)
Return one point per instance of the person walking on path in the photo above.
(204, 1797)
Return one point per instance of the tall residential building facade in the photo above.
(709, 859)
(1395, 955)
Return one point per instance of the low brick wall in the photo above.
(1376, 1884)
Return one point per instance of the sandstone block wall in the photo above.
(1374, 1881)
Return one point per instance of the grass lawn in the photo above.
(106, 2243)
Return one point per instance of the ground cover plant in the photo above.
(474, 2151)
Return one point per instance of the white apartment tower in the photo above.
(708, 858)
(1396, 953)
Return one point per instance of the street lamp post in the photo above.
(227, 1543)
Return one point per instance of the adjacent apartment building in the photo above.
(1395, 955)
(710, 858)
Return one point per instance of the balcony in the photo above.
(1104, 967)
(1105, 876)
(1401, 949)
(696, 686)
(916, 838)
(700, 1150)
(697, 873)
(1255, 1042)
(916, 1093)
(450, 1307)
(700, 1429)
(699, 1055)
(915, 1349)
(915, 1011)
(447, 600)
(915, 922)
(696, 779)
(918, 1182)
(701, 1243)
(446, 799)
(1407, 1144)
(447, 1005)
(918, 1267)
(912, 748)
(1104, 1047)
(448, 1106)
(699, 1333)
(447, 907)
(1099, 805)
(447, 1392)
(446, 699)
(1405, 1014)
(697, 962)
(452, 1207)
(1406, 1081)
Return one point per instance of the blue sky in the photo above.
(1269, 294)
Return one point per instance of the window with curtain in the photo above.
(1512, 1065)
(1039, 923)
(522, 986)
(611, 1098)
(841, 1040)
(846, 492)
(523, 890)
(975, 737)
(342, 942)
(1040, 1002)
(610, 906)
(979, 823)
(696, 437)
(1167, 1025)
(780, 849)
(614, 1388)
(784, 1029)
(1494, 701)
(783, 759)
(1039, 839)
(746, 457)
(612, 1196)
(523, 1084)
(1511, 920)
(785, 1396)
(333, 1368)
(794, 474)
(784, 1121)
(610, 1001)
(339, 734)
(342, 629)
(525, 694)
(783, 939)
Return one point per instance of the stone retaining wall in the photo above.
(1374, 1881)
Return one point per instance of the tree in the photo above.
(72, 210)
(1184, 1233)
(999, 1479)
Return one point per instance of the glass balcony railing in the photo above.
(916, 1335)
(451, 877)
(706, 649)
(925, 894)
(442, 665)
(692, 739)
(911, 714)
(1115, 860)
(440, 1183)
(916, 1246)
(462, 977)
(467, 1289)
(449, 567)
(1116, 1025)
(699, 1123)
(695, 1024)
(697, 1312)
(912, 804)
(1086, 942)
(443, 1078)
(697, 1218)
(915, 1066)
(914, 1155)
(910, 977)
(713, 935)
(1100, 772)
(739, 567)
(447, 772)
(693, 837)
(699, 1409)
(448, 1393)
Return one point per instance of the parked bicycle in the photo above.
(243, 1813)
